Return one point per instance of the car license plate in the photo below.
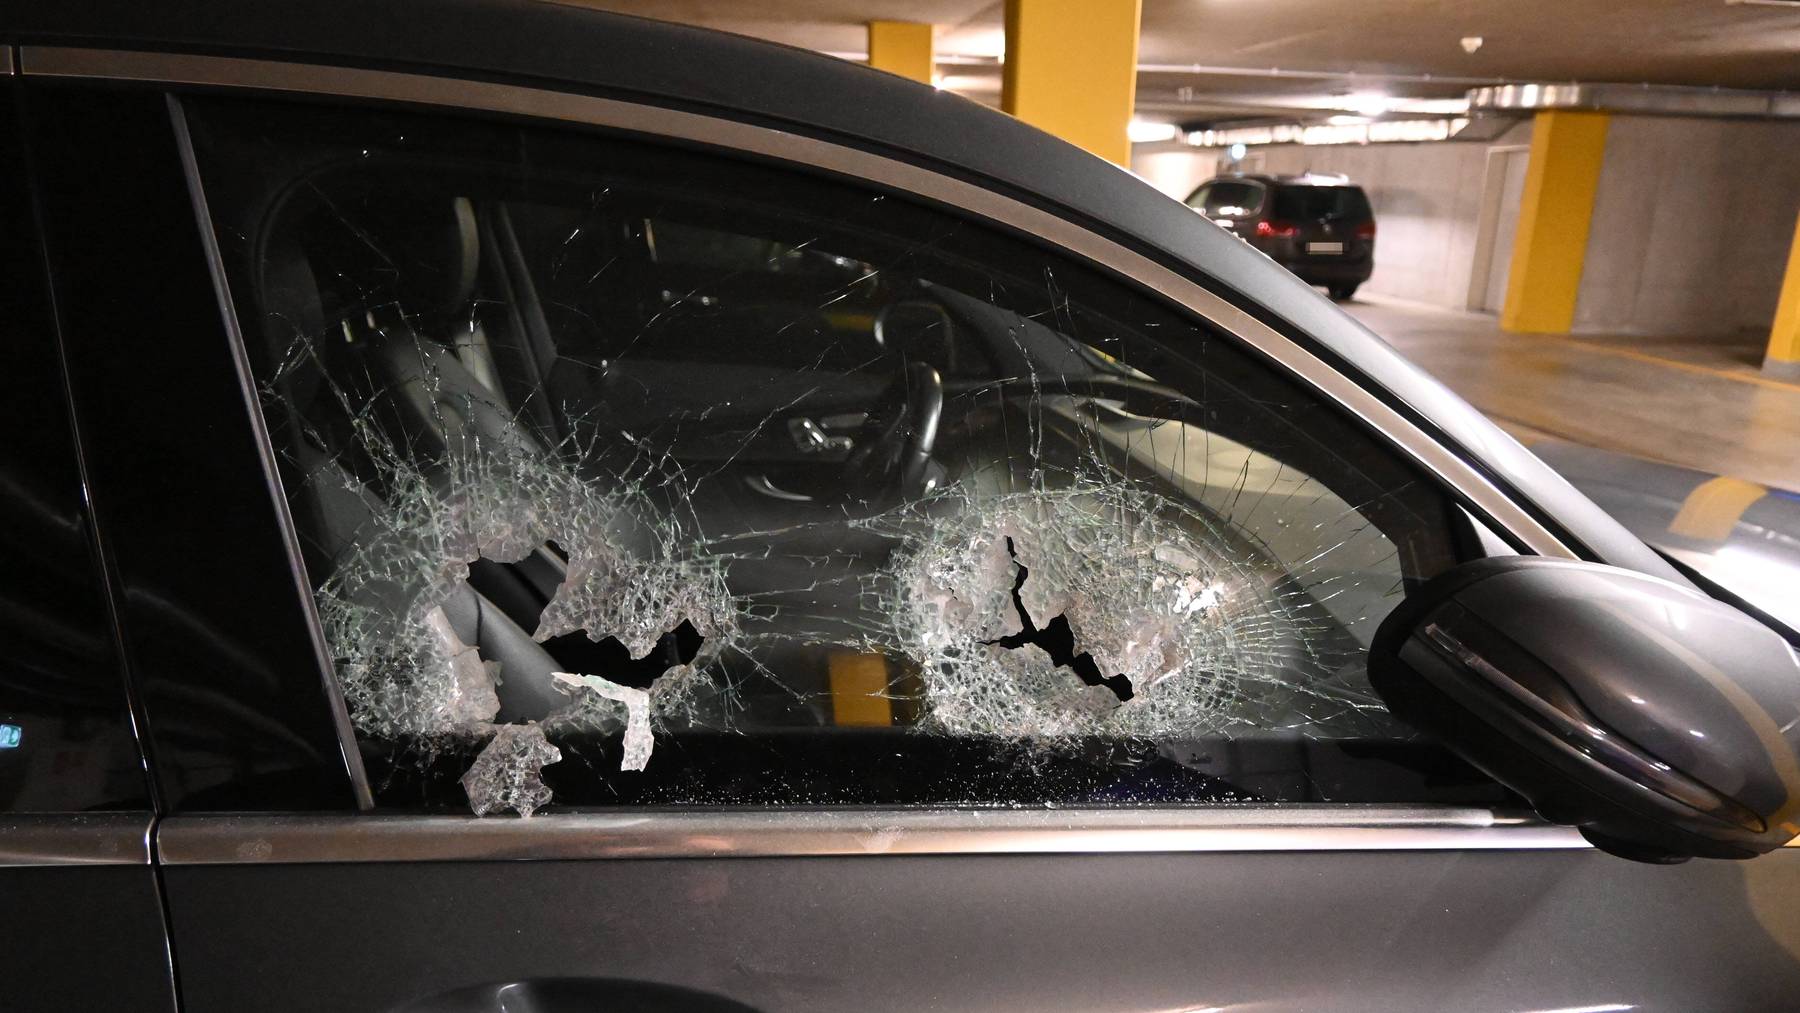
(1325, 247)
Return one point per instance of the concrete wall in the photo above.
(1175, 171)
(1427, 200)
(1691, 227)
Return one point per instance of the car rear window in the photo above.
(1319, 202)
(1228, 198)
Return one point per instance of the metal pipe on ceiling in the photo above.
(1643, 99)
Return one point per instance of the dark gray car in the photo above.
(515, 508)
(1319, 227)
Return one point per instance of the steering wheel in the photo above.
(892, 458)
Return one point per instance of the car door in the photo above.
(842, 588)
(77, 889)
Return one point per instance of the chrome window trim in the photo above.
(780, 145)
(349, 838)
(54, 840)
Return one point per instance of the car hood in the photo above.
(1741, 535)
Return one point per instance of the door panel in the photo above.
(82, 937)
(1425, 930)
(104, 949)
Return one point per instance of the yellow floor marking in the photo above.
(1713, 508)
(859, 690)
(1657, 360)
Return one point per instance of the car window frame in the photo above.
(1465, 483)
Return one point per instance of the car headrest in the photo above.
(414, 257)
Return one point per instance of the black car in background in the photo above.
(1319, 227)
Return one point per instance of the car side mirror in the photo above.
(1661, 723)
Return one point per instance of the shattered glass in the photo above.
(507, 773)
(1179, 636)
(627, 475)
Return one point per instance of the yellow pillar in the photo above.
(1784, 336)
(1555, 210)
(860, 692)
(901, 47)
(1071, 69)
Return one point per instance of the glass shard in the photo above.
(507, 773)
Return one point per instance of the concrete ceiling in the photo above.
(1290, 56)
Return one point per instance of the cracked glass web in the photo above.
(743, 487)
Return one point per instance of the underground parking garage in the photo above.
(1077, 505)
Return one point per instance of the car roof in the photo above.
(570, 48)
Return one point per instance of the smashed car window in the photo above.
(627, 475)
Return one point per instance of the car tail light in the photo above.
(1366, 230)
(1277, 230)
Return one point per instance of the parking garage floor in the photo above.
(1704, 405)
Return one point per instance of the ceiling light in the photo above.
(968, 83)
(1471, 43)
(1146, 132)
(1367, 103)
(1346, 120)
(989, 43)
(1377, 132)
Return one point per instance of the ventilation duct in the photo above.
(1644, 99)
